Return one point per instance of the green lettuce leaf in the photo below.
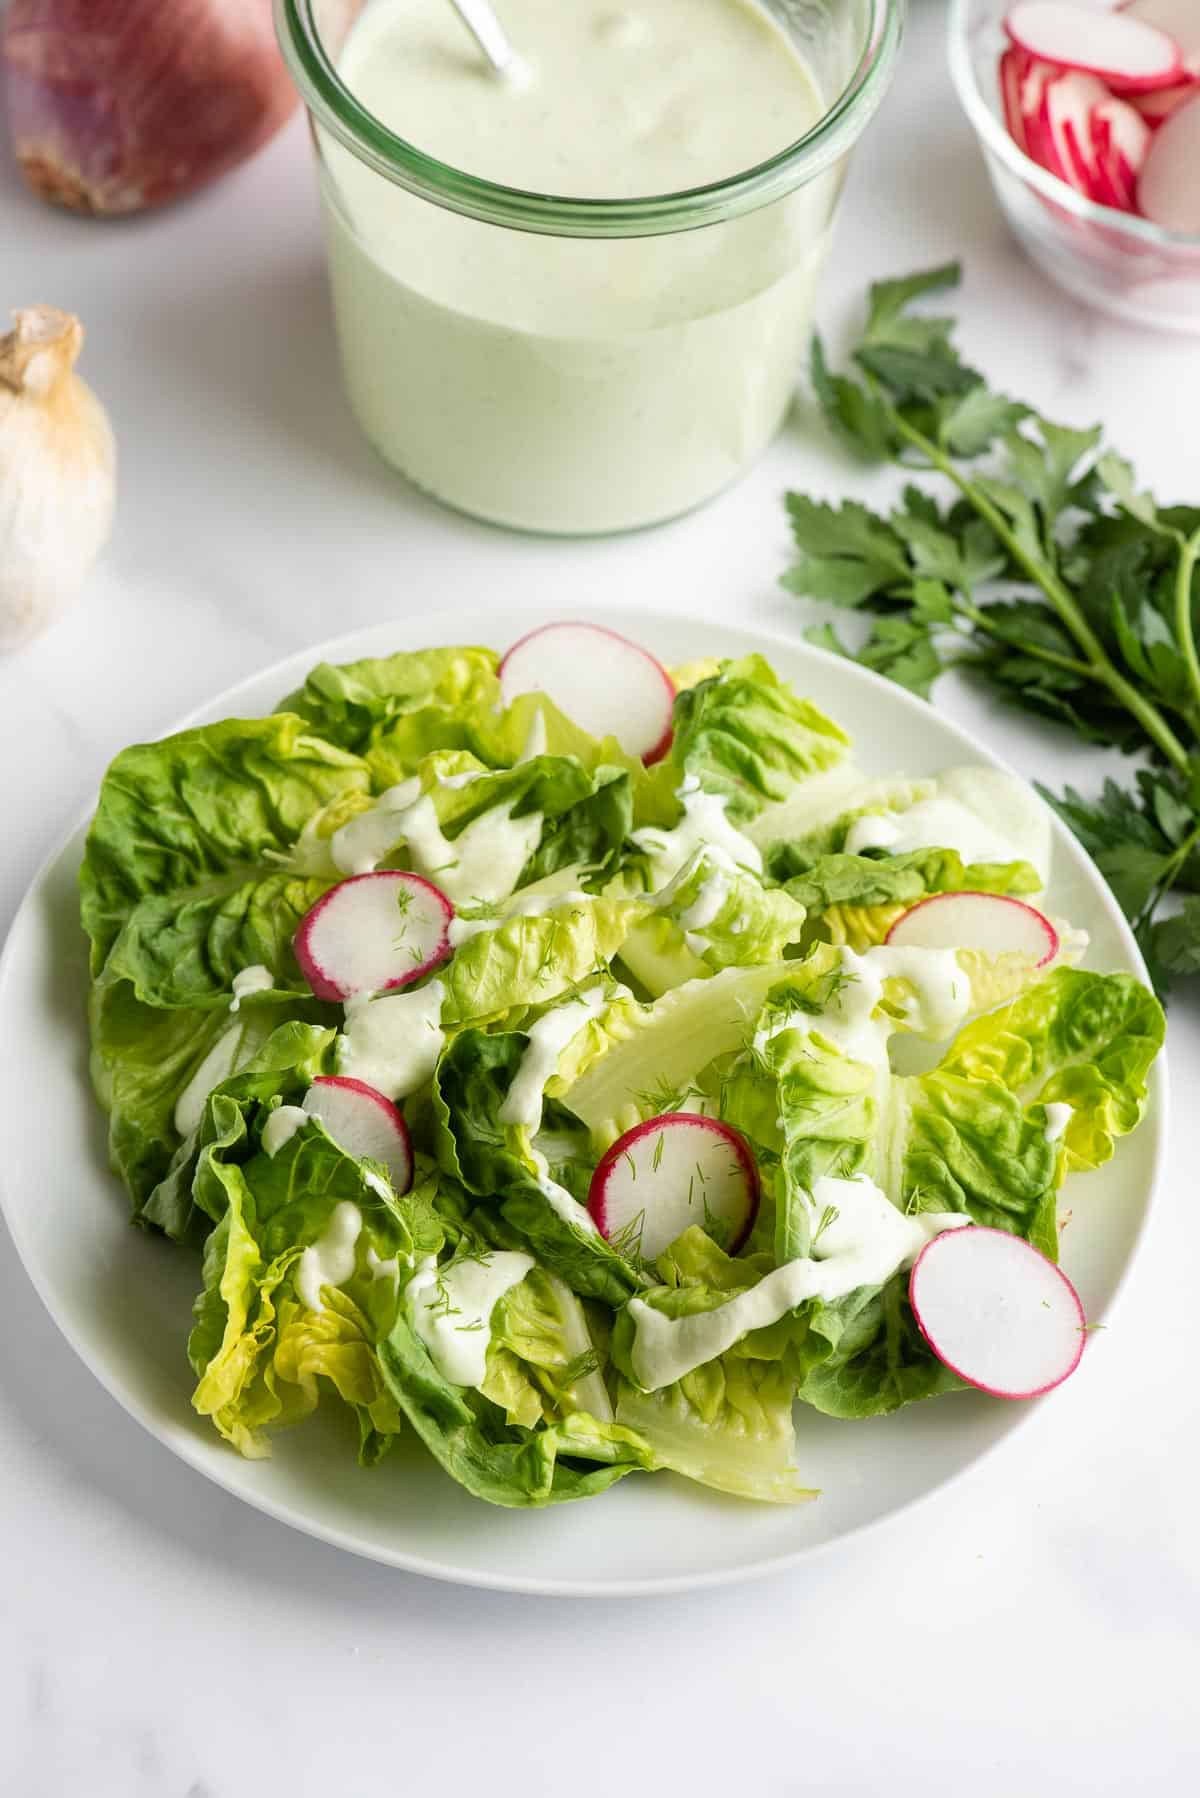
(209, 809)
(494, 1460)
(426, 692)
(529, 960)
(543, 1363)
(639, 1060)
(727, 1424)
(493, 1161)
(1077, 1038)
(855, 899)
(745, 734)
(813, 818)
(258, 1351)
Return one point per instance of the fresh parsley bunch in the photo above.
(1036, 563)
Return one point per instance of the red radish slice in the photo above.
(1123, 139)
(1159, 105)
(1124, 52)
(372, 934)
(669, 1172)
(1180, 19)
(602, 681)
(1039, 143)
(1010, 95)
(1168, 191)
(990, 922)
(364, 1123)
(1070, 101)
(996, 1312)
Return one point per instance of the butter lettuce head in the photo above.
(192, 872)
(257, 1350)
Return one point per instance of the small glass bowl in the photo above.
(1109, 259)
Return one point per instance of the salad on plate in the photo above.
(574, 1064)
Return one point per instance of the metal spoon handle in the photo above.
(488, 33)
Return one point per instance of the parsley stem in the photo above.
(1036, 651)
(1098, 664)
(1188, 553)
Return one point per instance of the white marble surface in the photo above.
(1036, 1630)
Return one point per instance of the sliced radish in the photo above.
(998, 1314)
(669, 1172)
(1123, 138)
(602, 681)
(1010, 95)
(1180, 19)
(1162, 102)
(364, 1123)
(1168, 189)
(990, 922)
(1039, 142)
(1125, 52)
(373, 933)
(1070, 101)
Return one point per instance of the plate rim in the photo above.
(363, 641)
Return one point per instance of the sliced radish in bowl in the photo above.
(364, 1123)
(1071, 101)
(603, 682)
(989, 922)
(1168, 189)
(1157, 106)
(1122, 138)
(1010, 95)
(669, 1172)
(1126, 53)
(372, 934)
(997, 1312)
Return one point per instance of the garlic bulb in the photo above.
(57, 472)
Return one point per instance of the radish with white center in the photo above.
(1127, 54)
(1039, 143)
(997, 1312)
(1169, 185)
(1070, 101)
(668, 1173)
(373, 933)
(1123, 140)
(604, 683)
(989, 922)
(364, 1123)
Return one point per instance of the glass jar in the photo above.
(578, 365)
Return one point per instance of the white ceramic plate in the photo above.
(123, 1298)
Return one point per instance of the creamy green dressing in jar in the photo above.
(576, 300)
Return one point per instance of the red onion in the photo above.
(115, 105)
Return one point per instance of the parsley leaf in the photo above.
(1022, 551)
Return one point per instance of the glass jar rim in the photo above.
(333, 106)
